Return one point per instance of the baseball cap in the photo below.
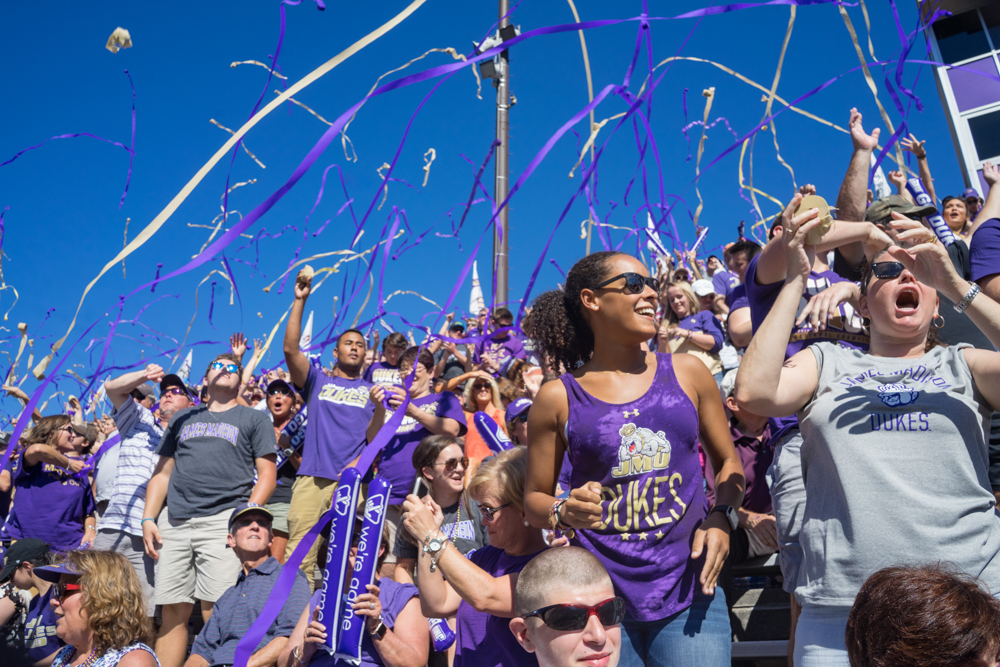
(728, 384)
(86, 430)
(703, 287)
(248, 507)
(278, 382)
(172, 380)
(145, 390)
(517, 408)
(53, 572)
(21, 552)
(456, 326)
(881, 210)
(970, 193)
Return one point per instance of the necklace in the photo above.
(458, 518)
(90, 660)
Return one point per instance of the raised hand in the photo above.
(897, 178)
(915, 146)
(238, 344)
(807, 189)
(991, 174)
(583, 508)
(861, 140)
(303, 283)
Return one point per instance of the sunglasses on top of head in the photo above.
(574, 617)
(887, 269)
(230, 367)
(634, 282)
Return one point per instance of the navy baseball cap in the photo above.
(278, 382)
(21, 552)
(172, 380)
(970, 193)
(245, 508)
(518, 408)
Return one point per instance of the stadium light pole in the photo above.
(500, 233)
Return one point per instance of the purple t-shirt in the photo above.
(50, 504)
(738, 298)
(644, 453)
(40, 638)
(393, 597)
(756, 454)
(381, 372)
(500, 351)
(845, 328)
(725, 282)
(339, 413)
(485, 640)
(984, 259)
(397, 457)
(705, 322)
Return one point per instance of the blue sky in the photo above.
(64, 221)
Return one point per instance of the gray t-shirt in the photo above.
(470, 530)
(214, 455)
(894, 462)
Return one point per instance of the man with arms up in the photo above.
(141, 431)
(491, 354)
(567, 610)
(208, 457)
(345, 411)
(250, 538)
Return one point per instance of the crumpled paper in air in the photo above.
(120, 39)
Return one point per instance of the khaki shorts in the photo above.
(279, 524)
(311, 496)
(195, 562)
(393, 520)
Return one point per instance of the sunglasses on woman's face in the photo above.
(574, 617)
(230, 368)
(489, 513)
(451, 464)
(481, 385)
(72, 431)
(521, 418)
(64, 590)
(279, 390)
(887, 269)
(634, 282)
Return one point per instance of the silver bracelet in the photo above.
(969, 296)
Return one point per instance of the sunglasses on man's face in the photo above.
(887, 269)
(489, 513)
(64, 590)
(451, 464)
(634, 282)
(174, 391)
(230, 368)
(574, 617)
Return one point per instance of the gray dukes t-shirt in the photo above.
(894, 461)
(214, 455)
(470, 531)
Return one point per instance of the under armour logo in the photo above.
(631, 413)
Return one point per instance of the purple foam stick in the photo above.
(345, 504)
(491, 432)
(701, 237)
(441, 634)
(352, 626)
(940, 227)
(295, 429)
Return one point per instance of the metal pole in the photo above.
(501, 236)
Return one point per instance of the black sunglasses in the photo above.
(451, 464)
(574, 617)
(490, 512)
(887, 269)
(523, 418)
(634, 282)
(279, 390)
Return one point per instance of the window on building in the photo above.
(991, 15)
(961, 37)
(985, 131)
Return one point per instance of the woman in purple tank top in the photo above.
(630, 421)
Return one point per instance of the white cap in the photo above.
(703, 287)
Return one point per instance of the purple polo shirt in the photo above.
(984, 249)
(756, 454)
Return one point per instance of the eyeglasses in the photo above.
(521, 418)
(279, 390)
(174, 391)
(634, 282)
(63, 590)
(490, 512)
(574, 617)
(887, 269)
(230, 367)
(451, 464)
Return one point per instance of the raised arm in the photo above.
(853, 195)
(119, 389)
(267, 479)
(991, 207)
(912, 144)
(298, 362)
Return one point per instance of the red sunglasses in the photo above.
(65, 590)
(574, 617)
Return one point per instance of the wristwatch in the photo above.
(380, 629)
(731, 515)
(434, 545)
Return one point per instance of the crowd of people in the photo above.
(829, 397)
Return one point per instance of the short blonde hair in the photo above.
(112, 596)
(504, 474)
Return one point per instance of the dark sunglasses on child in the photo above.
(574, 617)
(634, 282)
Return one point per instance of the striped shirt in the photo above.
(137, 459)
(240, 606)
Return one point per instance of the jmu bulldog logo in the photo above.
(897, 395)
(641, 451)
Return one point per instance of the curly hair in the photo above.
(112, 596)
(557, 322)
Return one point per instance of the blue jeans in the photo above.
(699, 636)
(819, 637)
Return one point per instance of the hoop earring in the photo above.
(866, 322)
(935, 324)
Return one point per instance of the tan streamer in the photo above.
(179, 198)
(385, 186)
(12, 375)
(709, 94)
(260, 64)
(351, 255)
(428, 163)
(416, 294)
(590, 98)
(871, 81)
(243, 144)
(756, 190)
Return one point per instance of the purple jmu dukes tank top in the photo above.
(645, 455)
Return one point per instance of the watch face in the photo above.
(435, 545)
